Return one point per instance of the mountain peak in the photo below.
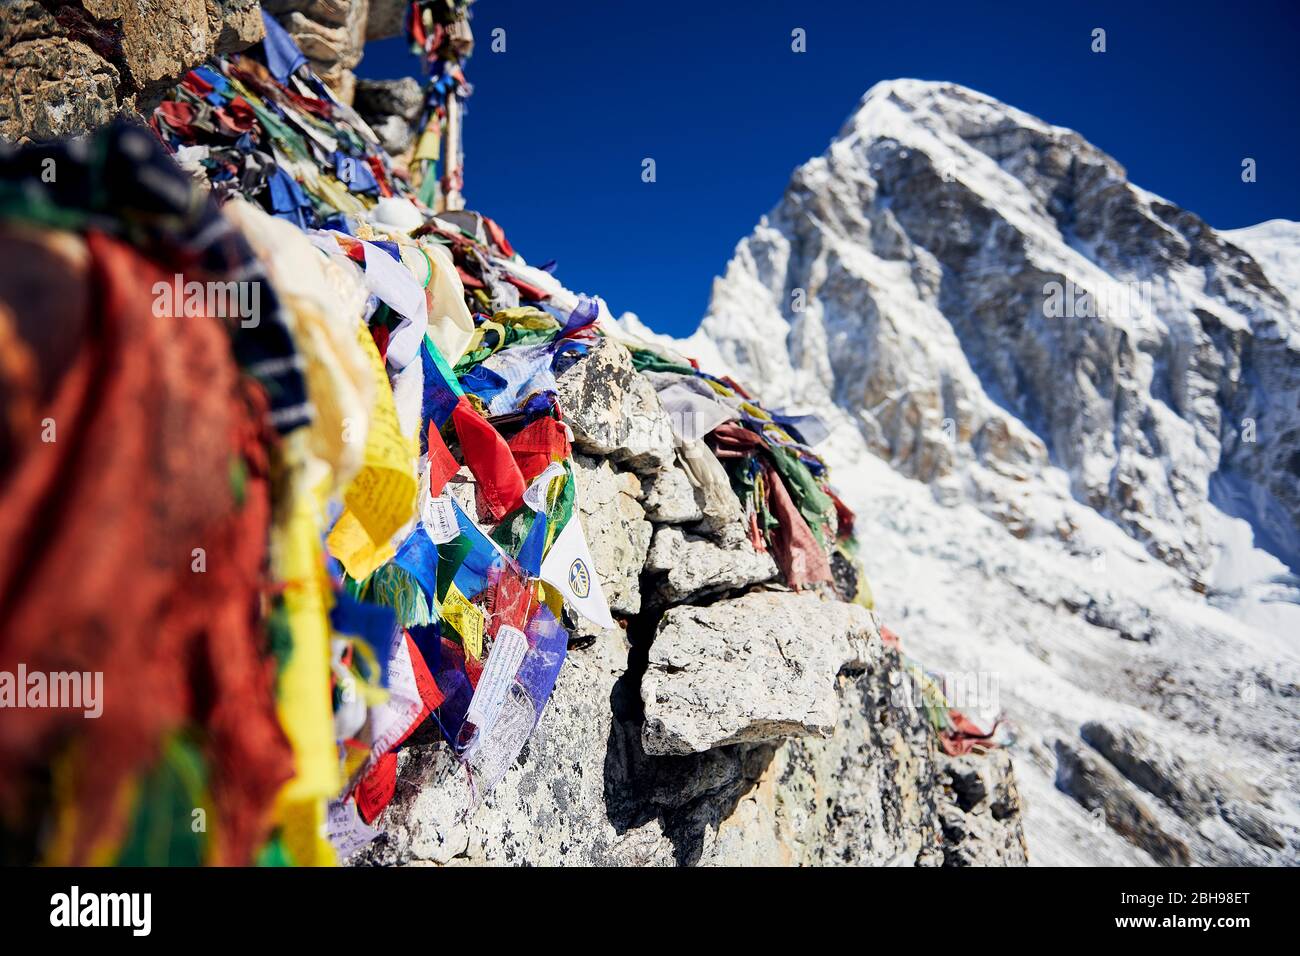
(1063, 405)
(937, 242)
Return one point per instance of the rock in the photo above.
(391, 107)
(980, 810)
(585, 792)
(1251, 824)
(614, 411)
(1131, 622)
(330, 33)
(1094, 784)
(394, 134)
(74, 68)
(967, 779)
(380, 98)
(669, 497)
(1193, 791)
(685, 566)
(1164, 775)
(616, 529)
(757, 668)
(385, 18)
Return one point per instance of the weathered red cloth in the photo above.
(797, 551)
(375, 790)
(538, 444)
(964, 735)
(498, 236)
(844, 516)
(134, 545)
(442, 464)
(730, 440)
(500, 485)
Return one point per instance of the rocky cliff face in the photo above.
(989, 297)
(332, 34)
(1066, 412)
(72, 65)
(727, 721)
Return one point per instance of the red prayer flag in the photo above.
(442, 465)
(375, 790)
(538, 444)
(501, 485)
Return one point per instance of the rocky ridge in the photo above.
(725, 721)
(72, 65)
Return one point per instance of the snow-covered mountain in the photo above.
(1068, 412)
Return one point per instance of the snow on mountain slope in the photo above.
(1066, 411)
(1275, 245)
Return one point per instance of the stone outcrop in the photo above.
(876, 791)
(616, 412)
(392, 108)
(72, 65)
(1194, 793)
(69, 66)
(617, 532)
(756, 668)
(684, 566)
(752, 725)
(1099, 788)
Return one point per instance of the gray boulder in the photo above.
(617, 532)
(670, 498)
(1161, 774)
(1096, 785)
(613, 411)
(686, 566)
(757, 668)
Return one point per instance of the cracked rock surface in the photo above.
(758, 668)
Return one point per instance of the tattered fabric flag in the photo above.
(500, 483)
(522, 707)
(450, 325)
(532, 551)
(465, 619)
(471, 557)
(376, 788)
(442, 464)
(568, 568)
(282, 55)
(418, 555)
(374, 623)
(586, 313)
(539, 444)
(442, 392)
(798, 552)
(409, 696)
(525, 369)
(388, 279)
(493, 686)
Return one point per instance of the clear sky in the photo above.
(560, 121)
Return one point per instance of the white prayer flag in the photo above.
(569, 568)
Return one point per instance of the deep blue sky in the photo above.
(560, 122)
